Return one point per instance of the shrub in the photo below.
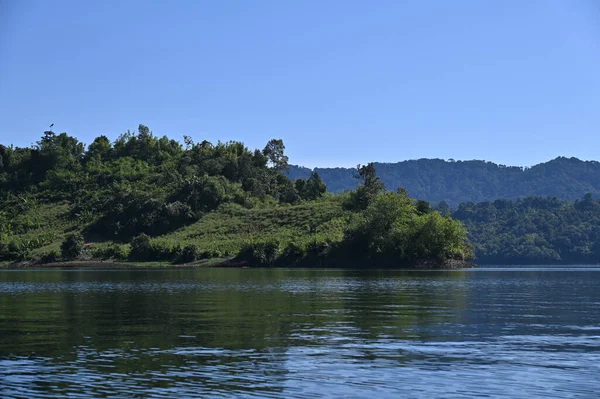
(113, 251)
(317, 250)
(162, 251)
(72, 246)
(49, 257)
(141, 248)
(176, 251)
(189, 253)
(119, 252)
(144, 249)
(293, 253)
(294, 250)
(16, 251)
(262, 253)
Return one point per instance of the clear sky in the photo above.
(342, 82)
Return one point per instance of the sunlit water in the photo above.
(300, 333)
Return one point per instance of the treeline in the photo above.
(126, 196)
(436, 180)
(534, 230)
(142, 183)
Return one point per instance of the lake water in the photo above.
(278, 333)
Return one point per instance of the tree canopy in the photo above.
(534, 230)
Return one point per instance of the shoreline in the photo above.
(215, 263)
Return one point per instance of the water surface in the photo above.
(278, 333)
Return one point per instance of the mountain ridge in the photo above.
(454, 182)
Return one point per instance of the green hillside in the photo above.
(143, 198)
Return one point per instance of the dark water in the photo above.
(300, 333)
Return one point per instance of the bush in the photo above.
(317, 248)
(189, 253)
(173, 216)
(113, 251)
(141, 248)
(176, 251)
(119, 252)
(16, 251)
(163, 251)
(13, 251)
(144, 249)
(293, 253)
(294, 250)
(49, 257)
(72, 246)
(261, 254)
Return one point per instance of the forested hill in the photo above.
(145, 198)
(436, 180)
(534, 230)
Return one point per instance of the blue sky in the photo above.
(342, 82)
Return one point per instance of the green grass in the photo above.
(39, 228)
(217, 235)
(225, 231)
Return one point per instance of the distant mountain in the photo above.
(436, 180)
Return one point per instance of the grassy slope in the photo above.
(43, 227)
(226, 231)
(221, 233)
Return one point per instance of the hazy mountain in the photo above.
(437, 180)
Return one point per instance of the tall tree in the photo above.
(368, 175)
(314, 187)
(371, 185)
(274, 151)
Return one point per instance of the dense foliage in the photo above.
(534, 230)
(436, 180)
(145, 198)
(72, 246)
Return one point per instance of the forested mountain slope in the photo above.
(534, 230)
(436, 180)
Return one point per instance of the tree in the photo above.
(300, 186)
(443, 208)
(189, 143)
(274, 151)
(202, 193)
(312, 188)
(143, 132)
(100, 149)
(371, 185)
(286, 191)
(392, 231)
(368, 175)
(55, 152)
(423, 207)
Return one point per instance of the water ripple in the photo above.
(300, 334)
